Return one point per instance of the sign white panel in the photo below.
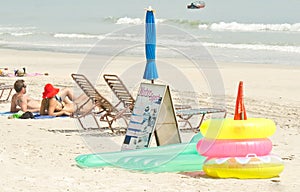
(153, 108)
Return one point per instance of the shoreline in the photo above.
(272, 81)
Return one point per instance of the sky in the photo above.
(255, 11)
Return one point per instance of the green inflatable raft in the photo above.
(181, 157)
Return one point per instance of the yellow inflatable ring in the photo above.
(254, 167)
(252, 128)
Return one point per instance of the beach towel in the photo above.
(18, 73)
(36, 115)
(6, 113)
(25, 75)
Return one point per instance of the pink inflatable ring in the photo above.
(234, 147)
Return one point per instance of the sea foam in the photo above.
(290, 49)
(243, 27)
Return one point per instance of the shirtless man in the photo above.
(20, 101)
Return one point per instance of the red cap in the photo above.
(49, 91)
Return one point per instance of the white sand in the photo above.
(38, 155)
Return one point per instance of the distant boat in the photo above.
(196, 5)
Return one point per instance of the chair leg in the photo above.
(2, 93)
(110, 122)
(8, 94)
(95, 119)
(186, 120)
(80, 122)
(125, 121)
(202, 118)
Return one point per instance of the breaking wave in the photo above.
(289, 49)
(220, 26)
(234, 26)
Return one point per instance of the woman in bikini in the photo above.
(56, 102)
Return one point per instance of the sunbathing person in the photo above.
(59, 102)
(20, 101)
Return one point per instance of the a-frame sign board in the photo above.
(153, 114)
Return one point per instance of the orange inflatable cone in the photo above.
(240, 111)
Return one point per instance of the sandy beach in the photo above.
(38, 155)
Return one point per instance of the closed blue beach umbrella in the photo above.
(150, 47)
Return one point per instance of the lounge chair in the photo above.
(185, 114)
(120, 90)
(108, 112)
(5, 92)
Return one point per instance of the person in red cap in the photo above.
(57, 102)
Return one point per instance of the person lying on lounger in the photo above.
(21, 101)
(58, 102)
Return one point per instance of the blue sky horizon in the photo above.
(33, 11)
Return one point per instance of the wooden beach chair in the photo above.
(5, 92)
(120, 90)
(185, 114)
(108, 112)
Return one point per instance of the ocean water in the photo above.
(233, 31)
